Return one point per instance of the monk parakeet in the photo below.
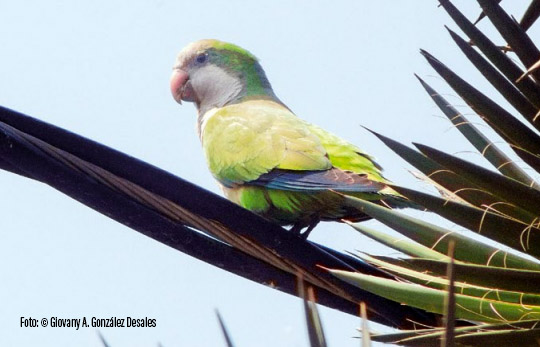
(265, 158)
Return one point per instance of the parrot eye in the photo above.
(201, 58)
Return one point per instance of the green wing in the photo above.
(347, 156)
(265, 144)
(246, 140)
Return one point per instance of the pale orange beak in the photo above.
(179, 81)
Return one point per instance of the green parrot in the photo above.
(264, 157)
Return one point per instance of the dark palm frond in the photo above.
(498, 58)
(504, 188)
(505, 87)
(486, 147)
(168, 209)
(452, 185)
(531, 15)
(449, 181)
(512, 32)
(521, 138)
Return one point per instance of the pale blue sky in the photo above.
(101, 69)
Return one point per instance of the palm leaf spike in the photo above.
(443, 192)
(455, 186)
(512, 32)
(432, 300)
(481, 16)
(102, 339)
(482, 335)
(534, 67)
(422, 277)
(400, 244)
(487, 221)
(432, 336)
(489, 150)
(313, 321)
(515, 223)
(531, 15)
(450, 302)
(436, 237)
(224, 330)
(527, 108)
(491, 51)
(520, 280)
(506, 189)
(366, 338)
(523, 140)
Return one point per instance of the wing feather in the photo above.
(314, 181)
(246, 140)
(262, 143)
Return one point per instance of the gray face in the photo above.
(199, 76)
(213, 87)
(196, 78)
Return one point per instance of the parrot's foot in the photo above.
(297, 228)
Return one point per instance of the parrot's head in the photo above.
(213, 73)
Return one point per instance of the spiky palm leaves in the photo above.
(497, 290)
